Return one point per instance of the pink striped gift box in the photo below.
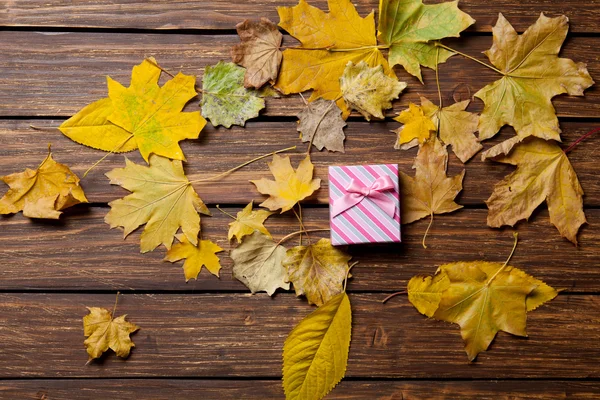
(370, 199)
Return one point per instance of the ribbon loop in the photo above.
(357, 192)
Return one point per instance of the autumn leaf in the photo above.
(417, 127)
(456, 127)
(532, 74)
(322, 119)
(409, 26)
(425, 292)
(430, 191)
(225, 100)
(43, 192)
(162, 198)
(257, 263)
(247, 221)
(105, 333)
(289, 186)
(143, 116)
(483, 298)
(317, 270)
(543, 173)
(196, 256)
(369, 90)
(259, 51)
(315, 353)
(328, 42)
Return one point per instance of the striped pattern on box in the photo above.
(365, 222)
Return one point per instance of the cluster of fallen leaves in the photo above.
(341, 57)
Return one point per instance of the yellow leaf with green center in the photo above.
(408, 26)
(196, 256)
(247, 221)
(533, 75)
(105, 333)
(368, 90)
(43, 192)
(289, 186)
(317, 271)
(417, 127)
(342, 35)
(315, 353)
(162, 198)
(543, 173)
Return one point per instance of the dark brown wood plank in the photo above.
(215, 335)
(222, 14)
(150, 389)
(56, 74)
(81, 253)
(218, 150)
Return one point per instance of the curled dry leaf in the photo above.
(408, 27)
(43, 192)
(247, 221)
(225, 100)
(162, 198)
(417, 127)
(257, 263)
(456, 127)
(482, 297)
(543, 173)
(368, 90)
(315, 353)
(533, 74)
(259, 51)
(289, 186)
(105, 333)
(143, 116)
(196, 256)
(317, 271)
(341, 34)
(322, 119)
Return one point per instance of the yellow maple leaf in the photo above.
(417, 127)
(317, 271)
(247, 221)
(162, 198)
(532, 74)
(104, 332)
(144, 115)
(328, 42)
(196, 256)
(543, 173)
(43, 192)
(289, 186)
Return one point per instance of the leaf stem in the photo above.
(115, 307)
(348, 273)
(225, 212)
(302, 228)
(332, 49)
(312, 138)
(470, 58)
(39, 128)
(437, 80)
(243, 165)
(581, 139)
(393, 295)
(301, 232)
(106, 155)
(516, 236)
(159, 67)
(427, 231)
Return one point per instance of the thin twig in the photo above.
(225, 212)
(470, 58)
(301, 232)
(581, 139)
(393, 295)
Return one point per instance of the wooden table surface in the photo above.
(212, 339)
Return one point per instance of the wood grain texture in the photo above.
(218, 150)
(81, 253)
(184, 389)
(239, 335)
(56, 74)
(223, 14)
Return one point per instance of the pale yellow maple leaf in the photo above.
(247, 221)
(104, 332)
(196, 256)
(417, 127)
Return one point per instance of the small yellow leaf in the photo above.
(317, 270)
(247, 221)
(204, 254)
(104, 332)
(162, 198)
(315, 353)
(417, 127)
(43, 192)
(289, 186)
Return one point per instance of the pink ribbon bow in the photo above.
(356, 192)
